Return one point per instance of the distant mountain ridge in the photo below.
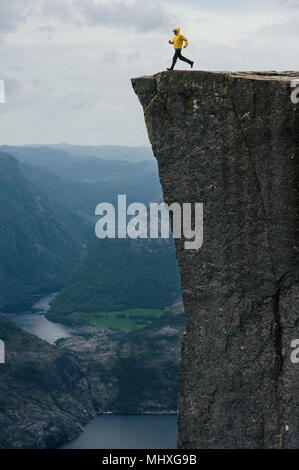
(112, 152)
(82, 183)
(77, 152)
(41, 156)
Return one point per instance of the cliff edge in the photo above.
(231, 141)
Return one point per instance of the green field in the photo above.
(123, 320)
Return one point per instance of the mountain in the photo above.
(81, 186)
(42, 156)
(58, 156)
(40, 241)
(117, 275)
(111, 152)
(80, 183)
(93, 168)
(44, 396)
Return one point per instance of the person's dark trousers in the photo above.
(178, 55)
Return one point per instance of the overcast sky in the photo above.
(67, 64)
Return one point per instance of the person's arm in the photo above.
(171, 42)
(186, 41)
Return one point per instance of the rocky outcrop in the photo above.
(44, 396)
(231, 141)
(134, 373)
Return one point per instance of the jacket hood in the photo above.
(177, 30)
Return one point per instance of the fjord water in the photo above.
(128, 432)
(107, 431)
(34, 321)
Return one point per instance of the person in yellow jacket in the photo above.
(178, 41)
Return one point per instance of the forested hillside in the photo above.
(40, 240)
(117, 275)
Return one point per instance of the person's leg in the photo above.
(184, 59)
(175, 58)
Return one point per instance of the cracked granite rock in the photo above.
(231, 141)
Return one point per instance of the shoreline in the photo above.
(26, 306)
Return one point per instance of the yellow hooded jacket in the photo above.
(178, 40)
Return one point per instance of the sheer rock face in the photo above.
(231, 141)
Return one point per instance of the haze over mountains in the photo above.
(82, 183)
(112, 275)
(109, 152)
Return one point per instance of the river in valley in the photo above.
(34, 320)
(107, 431)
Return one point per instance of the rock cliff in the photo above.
(45, 398)
(231, 141)
(134, 373)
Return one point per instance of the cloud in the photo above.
(128, 14)
(135, 14)
(12, 13)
